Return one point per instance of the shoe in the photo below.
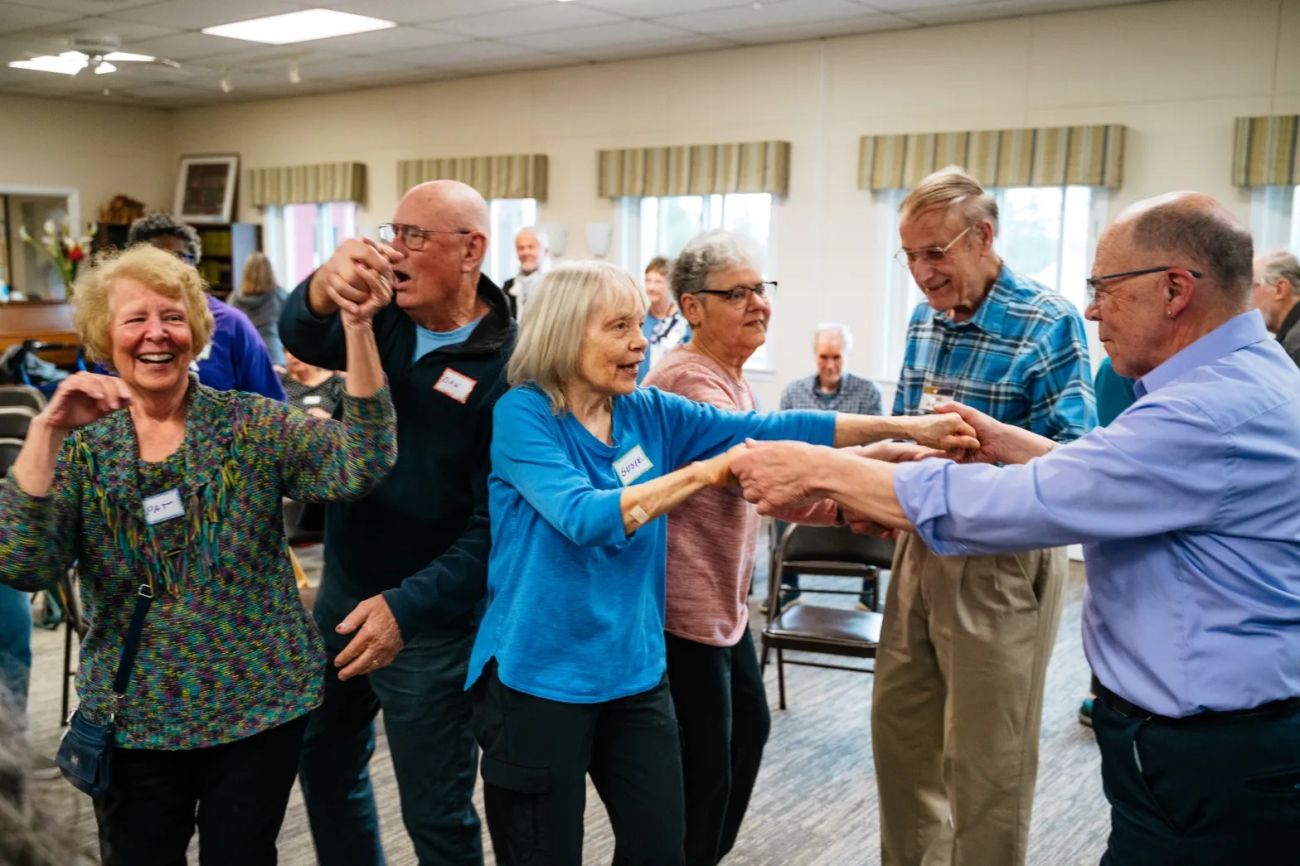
(1085, 711)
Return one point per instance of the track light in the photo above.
(226, 86)
(295, 77)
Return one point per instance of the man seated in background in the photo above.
(1275, 292)
(834, 390)
(236, 359)
(533, 249)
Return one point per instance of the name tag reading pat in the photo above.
(163, 506)
(455, 385)
(632, 465)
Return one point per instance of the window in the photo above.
(507, 217)
(1275, 218)
(1045, 233)
(299, 238)
(661, 226)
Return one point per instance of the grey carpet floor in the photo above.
(815, 802)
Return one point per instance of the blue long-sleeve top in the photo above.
(575, 606)
(1186, 505)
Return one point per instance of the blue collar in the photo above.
(1236, 333)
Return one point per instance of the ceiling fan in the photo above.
(97, 52)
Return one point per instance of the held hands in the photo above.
(998, 442)
(947, 432)
(716, 471)
(774, 475)
(84, 398)
(378, 639)
(358, 278)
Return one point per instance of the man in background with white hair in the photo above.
(1275, 293)
(533, 249)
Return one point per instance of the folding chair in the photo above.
(823, 550)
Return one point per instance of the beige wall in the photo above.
(1175, 73)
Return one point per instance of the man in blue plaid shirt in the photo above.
(966, 640)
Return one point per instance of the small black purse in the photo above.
(86, 751)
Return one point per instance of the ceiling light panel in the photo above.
(304, 26)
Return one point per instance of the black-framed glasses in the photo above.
(929, 255)
(1095, 283)
(738, 296)
(413, 236)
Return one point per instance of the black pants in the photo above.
(724, 722)
(537, 754)
(235, 792)
(1211, 793)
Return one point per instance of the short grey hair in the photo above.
(952, 187)
(1280, 265)
(543, 239)
(553, 322)
(1197, 229)
(716, 250)
(156, 225)
(837, 329)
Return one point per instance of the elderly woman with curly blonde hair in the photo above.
(159, 486)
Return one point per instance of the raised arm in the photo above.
(933, 431)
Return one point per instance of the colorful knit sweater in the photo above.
(227, 650)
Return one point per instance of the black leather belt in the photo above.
(1129, 710)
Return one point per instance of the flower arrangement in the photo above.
(65, 250)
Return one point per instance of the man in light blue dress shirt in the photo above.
(1188, 510)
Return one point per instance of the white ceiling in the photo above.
(434, 39)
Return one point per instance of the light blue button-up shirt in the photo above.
(1188, 506)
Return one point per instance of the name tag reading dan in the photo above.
(632, 465)
(163, 506)
(455, 385)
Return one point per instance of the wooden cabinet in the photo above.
(226, 247)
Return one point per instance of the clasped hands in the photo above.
(358, 279)
(782, 478)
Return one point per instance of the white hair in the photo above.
(543, 240)
(839, 330)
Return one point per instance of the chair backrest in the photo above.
(21, 395)
(14, 421)
(9, 449)
(810, 545)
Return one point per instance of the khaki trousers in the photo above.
(958, 702)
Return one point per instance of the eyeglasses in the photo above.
(738, 296)
(413, 236)
(929, 255)
(1095, 288)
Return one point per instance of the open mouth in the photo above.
(400, 278)
(156, 358)
(629, 369)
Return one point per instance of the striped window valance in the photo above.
(307, 184)
(1267, 152)
(1052, 156)
(700, 169)
(517, 176)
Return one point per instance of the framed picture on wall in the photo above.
(205, 188)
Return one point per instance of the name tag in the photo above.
(311, 400)
(163, 506)
(455, 385)
(632, 465)
(932, 396)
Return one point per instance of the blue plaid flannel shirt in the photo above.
(1022, 358)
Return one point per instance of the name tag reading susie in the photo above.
(455, 385)
(632, 465)
(163, 506)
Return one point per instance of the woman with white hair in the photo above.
(568, 669)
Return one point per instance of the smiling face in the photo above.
(962, 278)
(528, 250)
(151, 338)
(735, 329)
(656, 287)
(612, 346)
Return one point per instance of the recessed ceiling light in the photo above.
(67, 63)
(299, 27)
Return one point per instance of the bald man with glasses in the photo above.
(406, 568)
(966, 639)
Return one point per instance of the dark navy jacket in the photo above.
(422, 537)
